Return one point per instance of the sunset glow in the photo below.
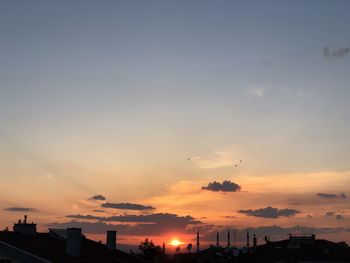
(158, 119)
(176, 242)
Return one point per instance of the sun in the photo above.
(176, 242)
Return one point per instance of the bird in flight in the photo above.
(236, 164)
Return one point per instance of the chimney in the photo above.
(255, 241)
(235, 237)
(247, 238)
(73, 242)
(111, 239)
(24, 228)
(197, 240)
(228, 238)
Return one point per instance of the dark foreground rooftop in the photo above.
(289, 250)
(52, 249)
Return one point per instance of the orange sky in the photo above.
(147, 103)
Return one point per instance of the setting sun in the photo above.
(175, 242)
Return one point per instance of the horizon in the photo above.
(238, 238)
(158, 119)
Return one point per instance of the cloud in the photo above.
(270, 212)
(339, 217)
(331, 196)
(87, 217)
(154, 224)
(98, 211)
(257, 92)
(330, 214)
(127, 206)
(48, 176)
(207, 232)
(218, 159)
(98, 198)
(266, 62)
(163, 218)
(338, 53)
(226, 186)
(89, 227)
(20, 209)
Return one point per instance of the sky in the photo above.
(159, 118)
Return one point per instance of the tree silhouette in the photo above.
(148, 249)
(189, 247)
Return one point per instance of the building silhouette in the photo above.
(25, 244)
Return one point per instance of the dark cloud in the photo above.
(270, 212)
(330, 213)
(123, 229)
(87, 217)
(161, 218)
(336, 216)
(98, 211)
(226, 186)
(154, 224)
(340, 52)
(207, 232)
(20, 209)
(98, 198)
(127, 206)
(331, 196)
(89, 227)
(339, 217)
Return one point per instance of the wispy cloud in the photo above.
(257, 91)
(153, 224)
(330, 213)
(151, 218)
(300, 93)
(127, 206)
(332, 196)
(339, 217)
(338, 53)
(98, 198)
(219, 158)
(20, 209)
(334, 215)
